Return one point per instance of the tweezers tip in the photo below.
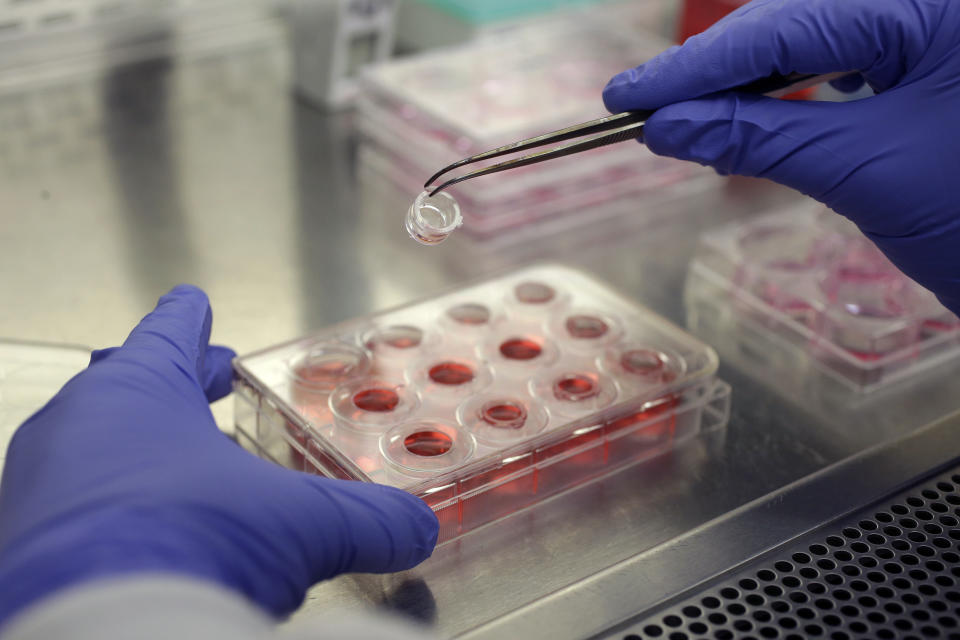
(434, 177)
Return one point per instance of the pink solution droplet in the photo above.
(504, 414)
(376, 400)
(575, 387)
(428, 443)
(451, 373)
(520, 349)
(586, 327)
(534, 293)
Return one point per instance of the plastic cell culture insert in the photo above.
(812, 279)
(485, 400)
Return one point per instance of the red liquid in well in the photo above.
(575, 388)
(866, 355)
(504, 414)
(451, 373)
(428, 443)
(934, 325)
(586, 327)
(520, 349)
(377, 400)
(534, 293)
(400, 337)
(470, 313)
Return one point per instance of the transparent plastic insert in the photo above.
(477, 400)
(811, 278)
(431, 219)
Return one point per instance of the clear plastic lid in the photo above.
(326, 365)
(431, 220)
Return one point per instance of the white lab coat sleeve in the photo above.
(166, 607)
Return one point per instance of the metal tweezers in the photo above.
(616, 128)
(613, 129)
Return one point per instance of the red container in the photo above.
(699, 15)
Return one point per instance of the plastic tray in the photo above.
(427, 111)
(513, 84)
(809, 277)
(485, 400)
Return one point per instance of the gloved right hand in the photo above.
(890, 163)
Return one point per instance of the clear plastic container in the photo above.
(810, 278)
(431, 219)
(424, 112)
(467, 430)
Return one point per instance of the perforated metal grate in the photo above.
(888, 572)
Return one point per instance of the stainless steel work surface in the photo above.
(209, 171)
(884, 564)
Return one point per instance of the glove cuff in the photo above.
(104, 544)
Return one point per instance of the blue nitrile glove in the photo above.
(125, 471)
(890, 163)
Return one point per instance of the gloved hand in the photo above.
(890, 163)
(125, 471)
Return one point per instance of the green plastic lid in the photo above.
(487, 11)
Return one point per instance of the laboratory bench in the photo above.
(209, 170)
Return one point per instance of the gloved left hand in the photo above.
(125, 471)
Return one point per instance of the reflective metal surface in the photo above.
(810, 579)
(208, 171)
